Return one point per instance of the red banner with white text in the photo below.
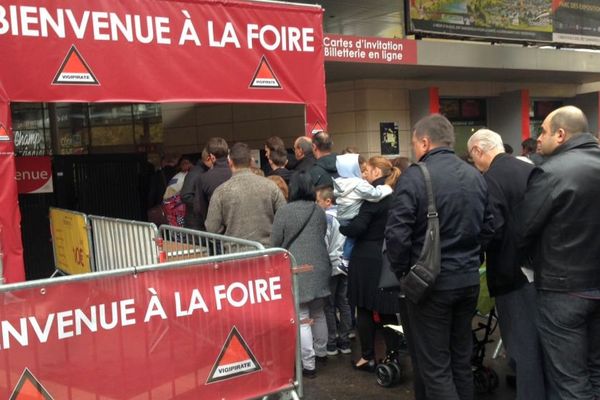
(225, 330)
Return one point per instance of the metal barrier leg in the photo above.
(498, 348)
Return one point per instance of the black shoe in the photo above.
(321, 360)
(367, 367)
(309, 373)
(511, 381)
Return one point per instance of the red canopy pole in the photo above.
(11, 246)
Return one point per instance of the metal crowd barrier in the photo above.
(119, 243)
(177, 243)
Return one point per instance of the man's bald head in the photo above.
(559, 127)
(569, 118)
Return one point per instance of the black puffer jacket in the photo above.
(324, 171)
(561, 218)
(461, 199)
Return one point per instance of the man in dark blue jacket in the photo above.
(442, 322)
(561, 217)
(508, 275)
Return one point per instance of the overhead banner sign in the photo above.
(34, 175)
(359, 49)
(560, 21)
(577, 21)
(222, 330)
(163, 51)
(514, 20)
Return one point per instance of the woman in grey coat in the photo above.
(300, 227)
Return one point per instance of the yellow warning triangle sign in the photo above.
(74, 71)
(29, 388)
(264, 78)
(3, 134)
(235, 359)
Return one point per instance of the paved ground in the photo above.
(338, 381)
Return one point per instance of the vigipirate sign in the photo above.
(34, 175)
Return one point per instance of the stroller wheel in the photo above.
(385, 375)
(397, 371)
(481, 381)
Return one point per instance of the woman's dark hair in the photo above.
(301, 187)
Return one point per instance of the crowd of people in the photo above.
(531, 219)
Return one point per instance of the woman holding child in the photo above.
(373, 305)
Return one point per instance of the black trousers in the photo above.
(418, 386)
(367, 326)
(441, 331)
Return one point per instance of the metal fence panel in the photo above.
(184, 244)
(119, 243)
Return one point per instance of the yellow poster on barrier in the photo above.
(70, 241)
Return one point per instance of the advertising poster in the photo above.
(577, 21)
(529, 20)
(388, 132)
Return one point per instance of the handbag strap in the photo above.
(301, 229)
(431, 210)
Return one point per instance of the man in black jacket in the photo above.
(324, 170)
(192, 220)
(205, 185)
(560, 215)
(507, 177)
(304, 155)
(441, 322)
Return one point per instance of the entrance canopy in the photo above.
(151, 51)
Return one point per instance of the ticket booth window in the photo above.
(467, 116)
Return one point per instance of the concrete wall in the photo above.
(187, 127)
(355, 109)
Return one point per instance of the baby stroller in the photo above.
(485, 378)
(389, 371)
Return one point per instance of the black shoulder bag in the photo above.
(419, 280)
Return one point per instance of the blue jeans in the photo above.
(440, 327)
(569, 328)
(349, 242)
(517, 316)
(338, 299)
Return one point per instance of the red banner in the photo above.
(34, 174)
(225, 331)
(11, 247)
(155, 51)
(376, 50)
(161, 51)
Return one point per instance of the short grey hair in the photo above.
(437, 128)
(305, 144)
(487, 140)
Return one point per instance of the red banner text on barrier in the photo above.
(223, 330)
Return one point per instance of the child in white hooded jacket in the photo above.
(350, 190)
